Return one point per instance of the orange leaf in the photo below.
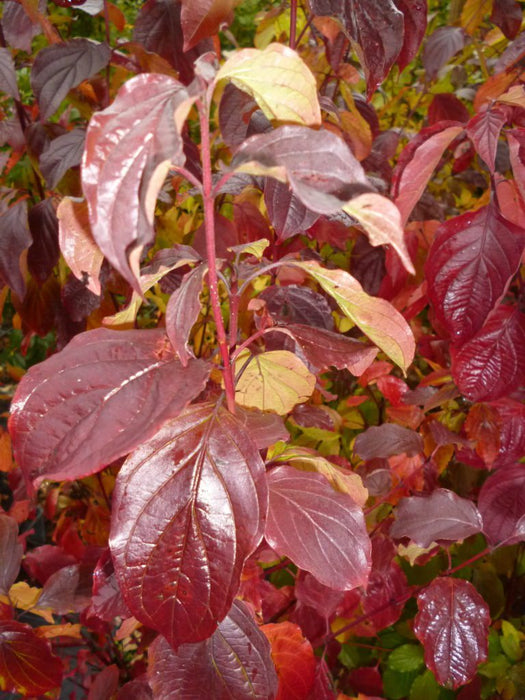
(294, 660)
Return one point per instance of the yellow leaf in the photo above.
(278, 80)
(273, 381)
(24, 596)
(473, 14)
(68, 629)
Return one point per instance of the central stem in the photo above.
(209, 225)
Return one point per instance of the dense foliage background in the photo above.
(263, 340)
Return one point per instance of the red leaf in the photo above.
(321, 169)
(452, 624)
(42, 562)
(182, 312)
(418, 161)
(294, 660)
(235, 110)
(319, 529)
(324, 349)
(441, 516)
(14, 240)
(502, 503)
(11, 552)
(135, 690)
(293, 304)
(263, 428)
(27, 665)
(59, 591)
(105, 684)
(158, 28)
(492, 363)
(60, 67)
(512, 432)
(234, 662)
(203, 19)
(96, 400)
(188, 508)
(143, 120)
(445, 106)
(484, 130)
(321, 598)
(322, 688)
(63, 153)
(441, 45)
(469, 266)
(508, 16)
(387, 440)
(516, 141)
(107, 602)
(288, 215)
(376, 31)
(385, 597)
(415, 19)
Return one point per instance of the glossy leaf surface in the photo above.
(143, 120)
(234, 662)
(492, 363)
(484, 130)
(14, 240)
(443, 515)
(376, 318)
(273, 381)
(452, 624)
(96, 400)
(415, 19)
(200, 20)
(278, 80)
(502, 503)
(76, 243)
(60, 67)
(288, 215)
(319, 529)
(188, 508)
(470, 263)
(182, 312)
(27, 665)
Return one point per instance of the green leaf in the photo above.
(408, 657)
(425, 687)
(511, 641)
(377, 318)
(278, 80)
(273, 381)
(397, 685)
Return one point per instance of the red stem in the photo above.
(209, 224)
(293, 23)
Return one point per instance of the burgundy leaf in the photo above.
(234, 662)
(321, 169)
(293, 304)
(263, 428)
(321, 598)
(469, 265)
(143, 120)
(11, 133)
(325, 349)
(440, 516)
(189, 507)
(484, 130)
(502, 503)
(42, 562)
(387, 590)
(235, 110)
(321, 530)
(106, 601)
(14, 240)
(415, 19)
(288, 215)
(8, 82)
(452, 624)
(203, 19)
(158, 28)
(63, 153)
(11, 552)
(418, 161)
(135, 690)
(516, 141)
(78, 300)
(492, 363)
(441, 45)
(43, 254)
(18, 27)
(182, 312)
(60, 67)
(508, 16)
(375, 28)
(106, 684)
(96, 400)
(27, 665)
(512, 432)
(445, 106)
(383, 441)
(59, 590)
(322, 688)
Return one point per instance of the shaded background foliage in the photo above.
(324, 240)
